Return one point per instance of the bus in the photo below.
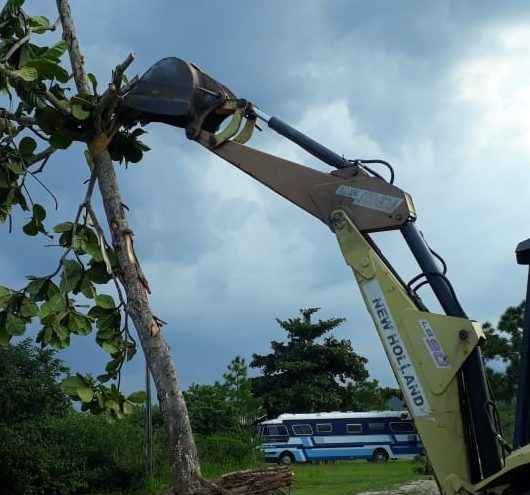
(375, 435)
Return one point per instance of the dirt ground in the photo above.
(422, 487)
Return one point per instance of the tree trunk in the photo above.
(183, 456)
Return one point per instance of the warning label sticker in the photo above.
(433, 346)
(369, 199)
(396, 349)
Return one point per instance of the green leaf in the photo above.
(105, 301)
(20, 199)
(97, 312)
(138, 132)
(39, 24)
(71, 275)
(87, 288)
(27, 146)
(28, 308)
(110, 321)
(79, 112)
(137, 397)
(112, 366)
(56, 51)
(93, 82)
(110, 348)
(86, 394)
(79, 323)
(133, 155)
(98, 273)
(49, 70)
(55, 305)
(105, 332)
(39, 212)
(4, 292)
(71, 384)
(27, 73)
(30, 228)
(62, 332)
(16, 167)
(45, 335)
(35, 286)
(60, 141)
(50, 120)
(63, 227)
(15, 325)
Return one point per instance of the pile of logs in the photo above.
(264, 481)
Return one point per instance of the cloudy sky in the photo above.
(439, 89)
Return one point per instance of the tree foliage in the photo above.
(312, 371)
(239, 390)
(29, 383)
(503, 343)
(209, 409)
(47, 114)
(226, 406)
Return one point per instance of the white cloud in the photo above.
(225, 256)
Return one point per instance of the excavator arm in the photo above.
(436, 358)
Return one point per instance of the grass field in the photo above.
(348, 478)
(341, 478)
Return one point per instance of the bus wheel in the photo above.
(380, 455)
(286, 458)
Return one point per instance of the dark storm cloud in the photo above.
(389, 79)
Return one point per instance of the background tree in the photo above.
(29, 384)
(226, 406)
(239, 388)
(311, 371)
(503, 344)
(368, 395)
(210, 409)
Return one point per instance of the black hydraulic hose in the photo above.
(311, 146)
(474, 389)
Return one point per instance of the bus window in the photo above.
(376, 426)
(274, 431)
(357, 428)
(402, 427)
(324, 428)
(302, 430)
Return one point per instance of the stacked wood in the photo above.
(263, 481)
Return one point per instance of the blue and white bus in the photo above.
(376, 435)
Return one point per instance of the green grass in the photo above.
(341, 478)
(348, 478)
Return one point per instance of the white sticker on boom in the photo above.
(396, 349)
(369, 199)
(433, 346)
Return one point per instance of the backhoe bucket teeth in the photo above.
(177, 93)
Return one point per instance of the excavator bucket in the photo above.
(178, 93)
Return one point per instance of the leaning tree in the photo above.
(50, 107)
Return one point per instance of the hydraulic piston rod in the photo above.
(305, 142)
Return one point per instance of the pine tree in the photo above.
(311, 372)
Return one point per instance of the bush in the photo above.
(75, 454)
(220, 454)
